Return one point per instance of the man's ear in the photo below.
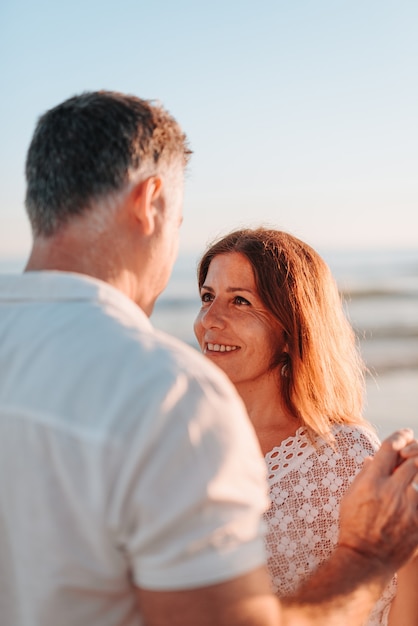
(144, 198)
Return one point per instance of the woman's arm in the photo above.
(404, 609)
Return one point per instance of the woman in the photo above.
(272, 319)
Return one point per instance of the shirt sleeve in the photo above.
(193, 489)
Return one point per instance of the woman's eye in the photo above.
(241, 300)
(206, 297)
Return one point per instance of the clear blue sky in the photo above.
(301, 114)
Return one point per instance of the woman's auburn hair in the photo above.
(321, 374)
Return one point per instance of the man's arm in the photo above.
(379, 530)
(343, 591)
(244, 601)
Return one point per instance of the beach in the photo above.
(392, 401)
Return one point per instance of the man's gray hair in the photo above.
(91, 147)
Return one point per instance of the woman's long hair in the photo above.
(321, 373)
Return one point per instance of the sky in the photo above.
(302, 115)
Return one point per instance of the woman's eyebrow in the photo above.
(233, 289)
(229, 289)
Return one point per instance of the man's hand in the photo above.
(379, 513)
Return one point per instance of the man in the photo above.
(131, 483)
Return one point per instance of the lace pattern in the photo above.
(306, 485)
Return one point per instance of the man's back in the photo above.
(102, 421)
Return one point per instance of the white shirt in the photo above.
(126, 459)
(307, 481)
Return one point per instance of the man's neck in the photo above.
(64, 252)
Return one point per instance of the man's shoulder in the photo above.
(94, 345)
(81, 314)
(117, 326)
(145, 357)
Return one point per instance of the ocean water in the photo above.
(380, 291)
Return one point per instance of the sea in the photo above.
(380, 293)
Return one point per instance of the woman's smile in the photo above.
(219, 347)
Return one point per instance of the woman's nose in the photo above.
(213, 316)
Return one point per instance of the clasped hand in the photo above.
(379, 513)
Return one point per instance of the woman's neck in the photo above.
(271, 420)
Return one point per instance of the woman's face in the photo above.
(234, 328)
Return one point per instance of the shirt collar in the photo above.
(56, 286)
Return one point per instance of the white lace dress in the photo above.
(306, 486)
